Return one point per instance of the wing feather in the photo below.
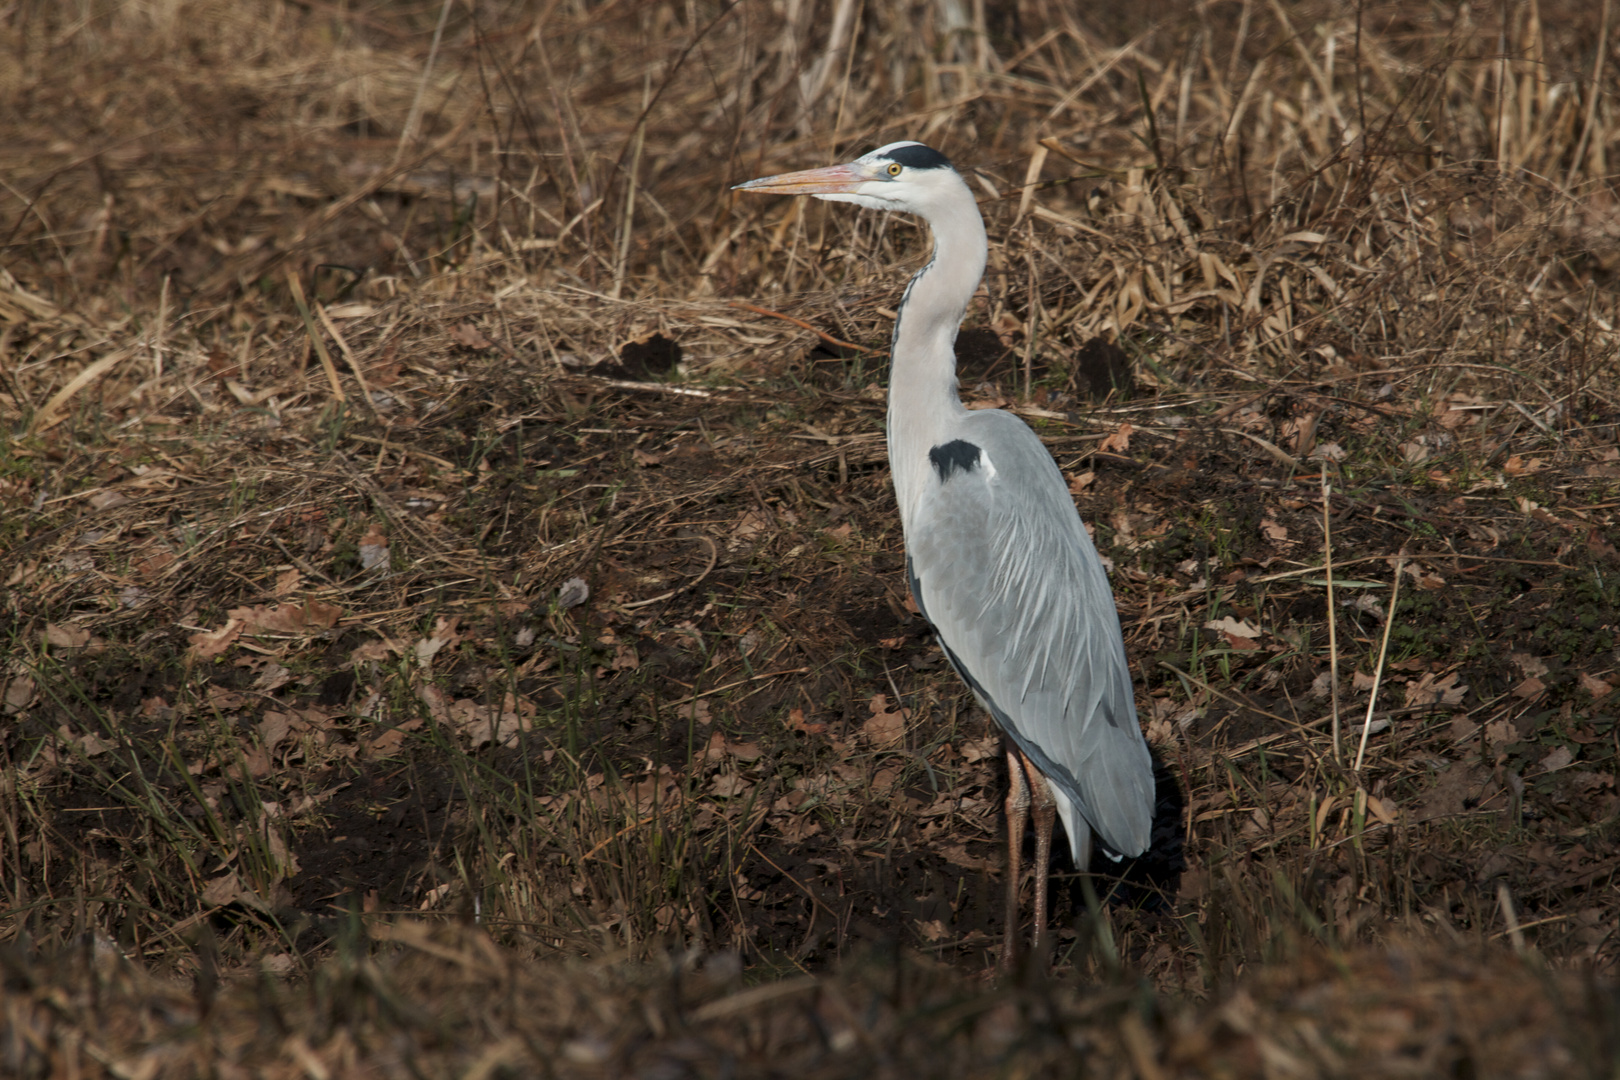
(1003, 568)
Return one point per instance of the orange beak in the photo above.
(832, 180)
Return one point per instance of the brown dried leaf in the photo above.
(752, 523)
(1232, 627)
(1518, 466)
(1119, 441)
(1531, 666)
(446, 634)
(309, 617)
(1414, 451)
(744, 751)
(729, 785)
(66, 635)
(887, 727)
(1429, 690)
(1529, 689)
(17, 693)
(1330, 451)
(697, 711)
(981, 749)
(798, 828)
(958, 855)
(373, 549)
(796, 722)
(465, 333)
(1382, 809)
(222, 890)
(1425, 578)
(1598, 688)
(1559, 757)
(484, 726)
(1598, 545)
(154, 564)
(377, 650)
(437, 702)
(1322, 685)
(207, 645)
(277, 726)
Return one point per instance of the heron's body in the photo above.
(998, 559)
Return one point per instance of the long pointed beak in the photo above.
(832, 180)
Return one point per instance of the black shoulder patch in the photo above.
(956, 454)
(918, 156)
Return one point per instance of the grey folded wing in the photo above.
(1002, 567)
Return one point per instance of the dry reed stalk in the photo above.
(1378, 670)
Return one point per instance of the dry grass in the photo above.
(326, 361)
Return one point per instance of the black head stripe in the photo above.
(918, 156)
(947, 458)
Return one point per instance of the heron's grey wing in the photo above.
(1003, 568)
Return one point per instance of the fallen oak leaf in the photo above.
(887, 726)
(465, 333)
(1231, 626)
(729, 785)
(1529, 689)
(1598, 688)
(1560, 757)
(1382, 809)
(309, 617)
(66, 635)
(1430, 689)
(374, 549)
(1119, 441)
(208, 644)
(796, 722)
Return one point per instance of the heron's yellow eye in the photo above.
(894, 168)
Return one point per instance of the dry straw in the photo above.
(1396, 219)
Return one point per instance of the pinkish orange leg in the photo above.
(1018, 801)
(1045, 811)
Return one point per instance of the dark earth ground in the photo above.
(806, 828)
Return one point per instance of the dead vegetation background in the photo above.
(449, 559)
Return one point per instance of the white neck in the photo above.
(923, 401)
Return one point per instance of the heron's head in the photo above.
(905, 176)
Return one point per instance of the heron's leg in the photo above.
(1017, 814)
(1045, 815)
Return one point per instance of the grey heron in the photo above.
(998, 559)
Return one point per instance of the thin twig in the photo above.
(1383, 652)
(742, 305)
(1332, 617)
(297, 288)
(714, 557)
